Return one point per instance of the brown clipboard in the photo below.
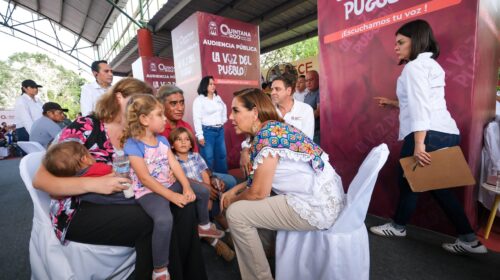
(448, 169)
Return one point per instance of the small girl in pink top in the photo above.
(158, 178)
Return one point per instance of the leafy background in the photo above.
(59, 84)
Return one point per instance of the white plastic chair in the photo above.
(30, 146)
(490, 161)
(341, 252)
(50, 259)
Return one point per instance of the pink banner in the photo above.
(358, 62)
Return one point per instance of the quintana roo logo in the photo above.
(212, 28)
(152, 67)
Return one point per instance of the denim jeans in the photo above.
(434, 140)
(214, 150)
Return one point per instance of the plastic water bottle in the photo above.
(121, 167)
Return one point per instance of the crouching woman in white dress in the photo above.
(309, 192)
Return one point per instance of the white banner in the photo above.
(7, 116)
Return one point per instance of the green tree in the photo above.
(59, 84)
(299, 50)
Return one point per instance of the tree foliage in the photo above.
(303, 49)
(59, 84)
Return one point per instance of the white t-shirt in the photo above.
(89, 96)
(208, 112)
(299, 95)
(301, 116)
(27, 111)
(420, 91)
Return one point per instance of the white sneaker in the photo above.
(388, 230)
(461, 247)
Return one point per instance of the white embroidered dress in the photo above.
(316, 195)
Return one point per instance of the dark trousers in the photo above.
(434, 140)
(129, 225)
(22, 134)
(158, 208)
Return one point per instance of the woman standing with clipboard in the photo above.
(425, 125)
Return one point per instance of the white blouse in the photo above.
(208, 112)
(316, 197)
(27, 111)
(420, 91)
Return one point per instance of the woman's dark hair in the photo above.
(422, 39)
(202, 88)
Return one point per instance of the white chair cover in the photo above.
(30, 146)
(4, 152)
(341, 252)
(490, 160)
(51, 260)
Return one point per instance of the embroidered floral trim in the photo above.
(282, 136)
(283, 152)
(321, 208)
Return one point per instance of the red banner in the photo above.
(227, 49)
(156, 71)
(358, 62)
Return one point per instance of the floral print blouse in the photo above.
(90, 132)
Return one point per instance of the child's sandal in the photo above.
(163, 275)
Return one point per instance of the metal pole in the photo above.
(127, 15)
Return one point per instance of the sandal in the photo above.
(162, 275)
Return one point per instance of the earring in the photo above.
(255, 128)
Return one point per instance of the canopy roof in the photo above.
(281, 23)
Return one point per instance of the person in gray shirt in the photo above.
(47, 127)
(312, 98)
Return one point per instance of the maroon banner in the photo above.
(227, 49)
(358, 62)
(156, 71)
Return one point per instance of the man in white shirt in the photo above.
(298, 114)
(300, 89)
(91, 92)
(27, 109)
